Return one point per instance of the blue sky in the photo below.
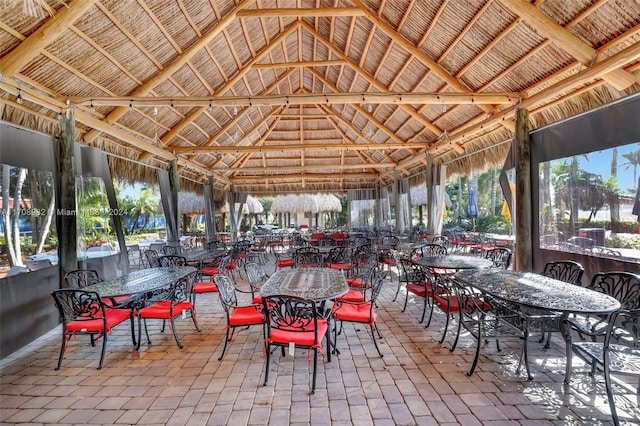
(600, 162)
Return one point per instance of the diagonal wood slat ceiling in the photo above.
(275, 96)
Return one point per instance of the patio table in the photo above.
(140, 284)
(455, 262)
(317, 284)
(534, 293)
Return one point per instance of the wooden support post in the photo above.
(523, 222)
(431, 214)
(209, 210)
(174, 184)
(66, 205)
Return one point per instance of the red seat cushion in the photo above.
(352, 296)
(114, 317)
(205, 287)
(245, 315)
(302, 338)
(210, 271)
(417, 289)
(340, 265)
(160, 310)
(355, 313)
(355, 282)
(389, 261)
(283, 263)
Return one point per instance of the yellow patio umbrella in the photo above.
(506, 211)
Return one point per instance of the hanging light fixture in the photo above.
(234, 112)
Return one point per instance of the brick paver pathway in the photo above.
(418, 382)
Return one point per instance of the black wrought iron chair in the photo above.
(417, 282)
(173, 302)
(485, 318)
(171, 250)
(619, 354)
(80, 278)
(500, 256)
(308, 257)
(256, 277)
(295, 322)
(84, 312)
(152, 258)
(431, 250)
(172, 260)
(362, 312)
(564, 270)
(237, 315)
(624, 286)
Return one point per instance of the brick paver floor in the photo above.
(417, 382)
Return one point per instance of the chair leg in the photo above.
(374, 328)
(172, 326)
(63, 346)
(446, 327)
(195, 321)
(607, 382)
(477, 353)
(104, 349)
(266, 362)
(226, 341)
(315, 370)
(424, 309)
(406, 299)
(133, 328)
(397, 290)
(455, 341)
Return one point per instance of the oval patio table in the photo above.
(140, 283)
(317, 284)
(536, 292)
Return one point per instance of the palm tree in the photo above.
(633, 160)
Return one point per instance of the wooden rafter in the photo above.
(584, 53)
(35, 44)
(295, 147)
(438, 98)
(300, 12)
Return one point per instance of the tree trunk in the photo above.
(17, 201)
(46, 225)
(6, 214)
(614, 203)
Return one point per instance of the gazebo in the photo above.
(270, 97)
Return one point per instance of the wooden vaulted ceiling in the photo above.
(273, 96)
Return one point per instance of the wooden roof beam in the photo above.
(26, 51)
(587, 55)
(303, 175)
(295, 147)
(320, 168)
(300, 12)
(301, 64)
(438, 98)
